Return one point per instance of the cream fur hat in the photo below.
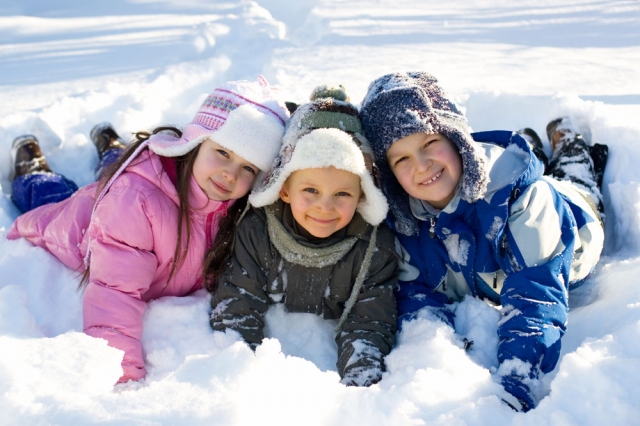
(324, 133)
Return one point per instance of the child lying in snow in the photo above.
(313, 241)
(168, 190)
(476, 216)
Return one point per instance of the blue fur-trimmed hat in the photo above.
(401, 104)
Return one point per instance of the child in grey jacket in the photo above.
(314, 241)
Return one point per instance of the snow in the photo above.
(66, 65)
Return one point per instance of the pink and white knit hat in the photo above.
(242, 116)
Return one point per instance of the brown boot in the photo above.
(27, 157)
(560, 129)
(105, 138)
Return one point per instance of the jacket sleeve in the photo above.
(540, 242)
(122, 266)
(368, 334)
(239, 300)
(59, 227)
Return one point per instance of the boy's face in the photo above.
(322, 201)
(428, 166)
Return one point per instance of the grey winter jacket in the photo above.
(272, 263)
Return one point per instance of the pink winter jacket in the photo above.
(133, 240)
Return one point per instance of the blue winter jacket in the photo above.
(522, 245)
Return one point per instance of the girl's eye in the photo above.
(251, 170)
(223, 152)
(343, 194)
(311, 190)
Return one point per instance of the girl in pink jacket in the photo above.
(167, 206)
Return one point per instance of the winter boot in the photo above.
(27, 157)
(560, 129)
(572, 159)
(106, 139)
(599, 155)
(535, 143)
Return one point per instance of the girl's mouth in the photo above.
(220, 187)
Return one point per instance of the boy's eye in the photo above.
(430, 141)
(343, 194)
(399, 160)
(310, 190)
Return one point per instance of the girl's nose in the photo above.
(230, 173)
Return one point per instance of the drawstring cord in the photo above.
(106, 189)
(364, 269)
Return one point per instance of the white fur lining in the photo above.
(325, 148)
(247, 132)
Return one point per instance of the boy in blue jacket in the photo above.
(476, 216)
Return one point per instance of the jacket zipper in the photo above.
(432, 228)
(503, 245)
(209, 229)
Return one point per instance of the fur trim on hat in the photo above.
(401, 104)
(322, 148)
(242, 116)
(252, 135)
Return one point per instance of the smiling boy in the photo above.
(476, 217)
(314, 242)
(322, 200)
(427, 166)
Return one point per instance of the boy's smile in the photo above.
(323, 201)
(428, 166)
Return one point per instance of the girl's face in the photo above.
(428, 166)
(322, 201)
(221, 173)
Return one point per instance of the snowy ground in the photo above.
(66, 65)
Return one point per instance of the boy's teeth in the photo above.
(434, 178)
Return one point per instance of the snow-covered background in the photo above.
(66, 65)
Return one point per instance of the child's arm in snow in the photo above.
(368, 334)
(539, 250)
(122, 267)
(239, 300)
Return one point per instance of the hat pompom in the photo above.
(325, 132)
(339, 93)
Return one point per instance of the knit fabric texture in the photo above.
(325, 133)
(242, 116)
(401, 104)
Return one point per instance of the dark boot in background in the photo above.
(572, 159)
(599, 155)
(106, 139)
(535, 143)
(27, 157)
